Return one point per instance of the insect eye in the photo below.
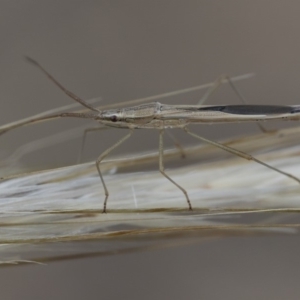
(114, 118)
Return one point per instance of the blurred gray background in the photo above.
(122, 50)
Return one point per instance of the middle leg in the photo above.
(162, 168)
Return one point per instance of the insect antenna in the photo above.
(67, 92)
(29, 121)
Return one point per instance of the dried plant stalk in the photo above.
(41, 210)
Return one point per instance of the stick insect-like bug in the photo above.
(160, 116)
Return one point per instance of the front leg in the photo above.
(101, 157)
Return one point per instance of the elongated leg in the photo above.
(217, 84)
(42, 143)
(239, 153)
(162, 168)
(86, 131)
(205, 97)
(101, 157)
(212, 89)
(176, 143)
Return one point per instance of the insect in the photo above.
(160, 116)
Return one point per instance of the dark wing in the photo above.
(252, 109)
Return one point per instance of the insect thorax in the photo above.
(128, 117)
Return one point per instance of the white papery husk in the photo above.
(56, 214)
